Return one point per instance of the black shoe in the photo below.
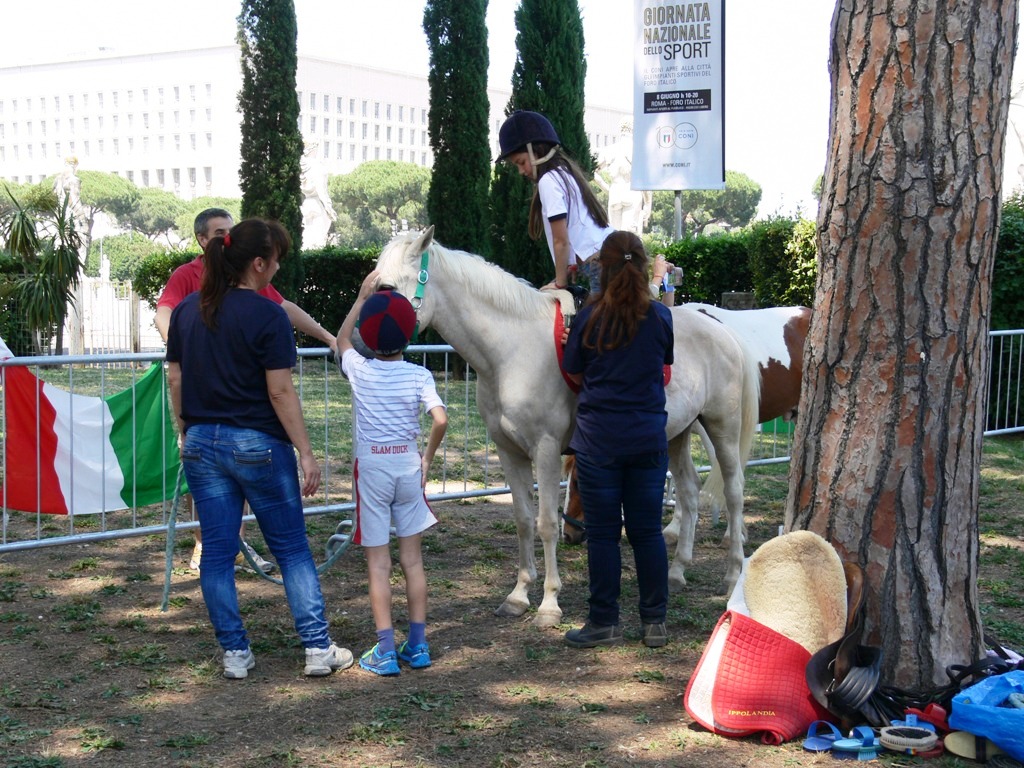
(655, 635)
(591, 636)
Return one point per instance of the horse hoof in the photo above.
(676, 583)
(547, 619)
(510, 610)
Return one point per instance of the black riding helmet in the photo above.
(521, 129)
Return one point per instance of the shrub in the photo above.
(712, 265)
(1008, 271)
(152, 273)
(333, 278)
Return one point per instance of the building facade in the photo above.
(171, 120)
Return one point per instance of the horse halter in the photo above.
(421, 284)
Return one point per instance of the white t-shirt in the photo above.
(560, 196)
(388, 395)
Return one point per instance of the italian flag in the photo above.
(73, 454)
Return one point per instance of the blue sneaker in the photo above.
(380, 664)
(416, 656)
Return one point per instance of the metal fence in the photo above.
(466, 465)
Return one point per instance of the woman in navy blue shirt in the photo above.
(230, 354)
(617, 350)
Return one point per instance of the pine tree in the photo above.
(270, 173)
(457, 204)
(548, 77)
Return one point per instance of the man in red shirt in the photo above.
(216, 222)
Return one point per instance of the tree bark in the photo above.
(887, 452)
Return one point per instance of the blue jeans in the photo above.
(630, 490)
(226, 466)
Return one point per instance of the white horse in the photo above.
(506, 330)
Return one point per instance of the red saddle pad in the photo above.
(751, 678)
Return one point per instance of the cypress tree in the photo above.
(548, 77)
(457, 203)
(270, 173)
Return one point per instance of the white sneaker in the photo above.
(238, 663)
(197, 554)
(264, 565)
(323, 661)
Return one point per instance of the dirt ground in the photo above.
(93, 673)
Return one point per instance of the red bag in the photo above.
(750, 678)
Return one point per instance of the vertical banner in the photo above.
(679, 95)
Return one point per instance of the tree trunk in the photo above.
(887, 453)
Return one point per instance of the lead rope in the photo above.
(169, 554)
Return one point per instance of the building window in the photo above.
(376, 133)
(327, 126)
(71, 126)
(177, 142)
(401, 113)
(191, 92)
(176, 176)
(376, 153)
(145, 95)
(131, 176)
(113, 98)
(209, 91)
(401, 155)
(351, 130)
(366, 107)
(145, 178)
(209, 140)
(327, 103)
(351, 106)
(365, 150)
(366, 130)
(412, 114)
(177, 94)
(159, 96)
(71, 103)
(389, 134)
(192, 176)
(327, 149)
(341, 103)
(145, 143)
(208, 175)
(192, 141)
(56, 104)
(177, 118)
(160, 177)
(338, 127)
(389, 153)
(116, 146)
(401, 135)
(312, 124)
(131, 144)
(129, 93)
(352, 152)
(387, 111)
(312, 101)
(376, 110)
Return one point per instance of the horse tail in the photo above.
(714, 485)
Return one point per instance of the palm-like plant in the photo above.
(41, 234)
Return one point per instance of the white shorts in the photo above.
(389, 492)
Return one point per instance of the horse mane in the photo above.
(490, 283)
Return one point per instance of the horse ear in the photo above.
(424, 240)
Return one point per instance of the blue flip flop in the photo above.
(863, 744)
(817, 741)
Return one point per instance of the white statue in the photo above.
(628, 209)
(317, 211)
(69, 185)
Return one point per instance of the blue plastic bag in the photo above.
(976, 710)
